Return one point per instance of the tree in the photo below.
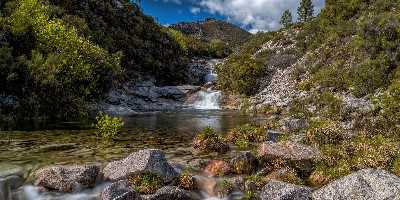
(286, 19)
(306, 10)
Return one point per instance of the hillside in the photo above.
(212, 30)
(58, 56)
(332, 81)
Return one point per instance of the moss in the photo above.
(147, 183)
(322, 132)
(249, 195)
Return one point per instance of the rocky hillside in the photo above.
(214, 30)
(331, 82)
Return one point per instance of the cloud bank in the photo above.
(256, 15)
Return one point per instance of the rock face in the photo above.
(120, 190)
(67, 178)
(170, 193)
(148, 160)
(276, 190)
(362, 185)
(217, 168)
(289, 151)
(245, 163)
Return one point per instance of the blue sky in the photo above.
(254, 15)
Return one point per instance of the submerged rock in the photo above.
(217, 168)
(5, 190)
(120, 190)
(245, 163)
(144, 161)
(276, 190)
(362, 185)
(170, 193)
(67, 178)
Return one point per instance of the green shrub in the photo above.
(246, 134)
(208, 140)
(108, 127)
(240, 74)
(147, 183)
(322, 132)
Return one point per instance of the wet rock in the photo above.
(297, 155)
(362, 185)
(217, 168)
(12, 175)
(144, 161)
(245, 163)
(295, 124)
(67, 178)
(120, 190)
(5, 190)
(171, 193)
(276, 190)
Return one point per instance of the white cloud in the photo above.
(257, 15)
(195, 10)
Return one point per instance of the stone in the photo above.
(143, 161)
(362, 185)
(288, 151)
(67, 178)
(120, 190)
(245, 163)
(295, 124)
(5, 190)
(12, 175)
(170, 193)
(217, 168)
(276, 190)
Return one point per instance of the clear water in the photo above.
(172, 132)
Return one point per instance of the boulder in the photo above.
(276, 190)
(217, 168)
(245, 163)
(295, 124)
(67, 178)
(143, 161)
(298, 156)
(120, 190)
(12, 175)
(170, 193)
(5, 190)
(362, 185)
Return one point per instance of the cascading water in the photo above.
(209, 99)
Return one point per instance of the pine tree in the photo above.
(286, 19)
(306, 10)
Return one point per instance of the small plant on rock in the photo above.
(246, 134)
(147, 183)
(208, 140)
(108, 127)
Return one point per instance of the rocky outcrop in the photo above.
(362, 185)
(288, 151)
(245, 163)
(276, 190)
(144, 161)
(145, 96)
(120, 190)
(217, 168)
(67, 178)
(170, 193)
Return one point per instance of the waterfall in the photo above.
(208, 99)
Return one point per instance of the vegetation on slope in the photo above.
(57, 56)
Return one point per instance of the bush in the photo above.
(147, 183)
(240, 74)
(245, 134)
(322, 132)
(108, 127)
(208, 140)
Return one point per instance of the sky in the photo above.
(253, 15)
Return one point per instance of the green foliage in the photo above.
(305, 11)
(240, 74)
(208, 140)
(108, 127)
(286, 19)
(244, 135)
(147, 183)
(323, 132)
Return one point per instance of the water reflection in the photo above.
(171, 132)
